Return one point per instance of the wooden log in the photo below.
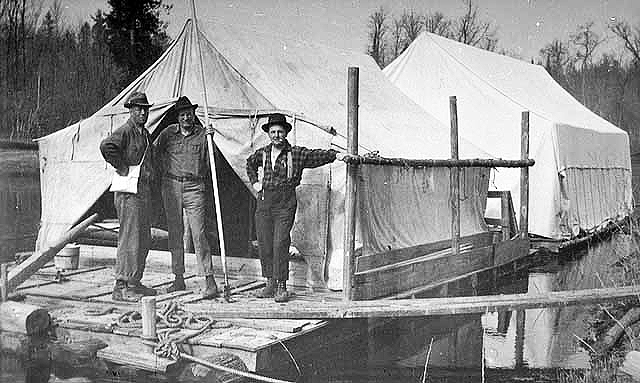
(524, 177)
(441, 163)
(454, 178)
(205, 374)
(612, 335)
(351, 192)
(519, 342)
(23, 318)
(26, 269)
(413, 307)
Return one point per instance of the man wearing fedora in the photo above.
(129, 145)
(282, 166)
(183, 162)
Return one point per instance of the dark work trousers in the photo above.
(190, 196)
(275, 212)
(134, 235)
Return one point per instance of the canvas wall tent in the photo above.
(248, 75)
(582, 175)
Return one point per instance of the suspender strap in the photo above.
(289, 165)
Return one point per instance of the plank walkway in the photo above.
(413, 307)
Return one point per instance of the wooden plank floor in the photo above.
(70, 294)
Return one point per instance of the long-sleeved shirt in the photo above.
(277, 176)
(126, 146)
(182, 156)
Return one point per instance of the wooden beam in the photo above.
(413, 273)
(454, 179)
(413, 307)
(444, 163)
(23, 318)
(4, 287)
(524, 177)
(27, 268)
(371, 261)
(351, 192)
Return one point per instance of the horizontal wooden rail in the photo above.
(444, 163)
(412, 307)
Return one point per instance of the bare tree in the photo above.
(470, 29)
(412, 24)
(630, 37)
(437, 23)
(397, 36)
(586, 41)
(377, 32)
(555, 58)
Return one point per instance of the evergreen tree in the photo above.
(135, 34)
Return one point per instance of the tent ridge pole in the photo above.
(454, 190)
(350, 193)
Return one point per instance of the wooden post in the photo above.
(524, 177)
(505, 216)
(454, 192)
(519, 346)
(350, 193)
(148, 312)
(4, 288)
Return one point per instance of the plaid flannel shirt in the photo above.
(277, 176)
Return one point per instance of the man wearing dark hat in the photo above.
(181, 150)
(129, 145)
(282, 166)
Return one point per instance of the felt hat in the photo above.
(184, 103)
(277, 119)
(137, 99)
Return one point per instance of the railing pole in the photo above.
(350, 194)
(524, 177)
(148, 312)
(454, 192)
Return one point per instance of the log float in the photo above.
(398, 308)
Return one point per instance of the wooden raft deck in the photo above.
(259, 343)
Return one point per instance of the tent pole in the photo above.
(524, 177)
(454, 179)
(212, 160)
(350, 193)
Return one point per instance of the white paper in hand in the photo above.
(128, 183)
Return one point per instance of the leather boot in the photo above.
(269, 290)
(211, 289)
(178, 284)
(281, 295)
(142, 289)
(124, 293)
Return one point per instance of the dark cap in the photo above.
(277, 119)
(137, 99)
(184, 103)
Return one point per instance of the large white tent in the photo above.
(247, 76)
(582, 175)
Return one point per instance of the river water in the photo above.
(487, 344)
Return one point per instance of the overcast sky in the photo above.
(524, 26)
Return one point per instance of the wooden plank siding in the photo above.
(402, 270)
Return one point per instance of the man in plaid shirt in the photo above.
(282, 166)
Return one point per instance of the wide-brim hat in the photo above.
(277, 119)
(137, 99)
(184, 103)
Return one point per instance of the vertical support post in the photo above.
(454, 191)
(148, 312)
(350, 194)
(524, 177)
(505, 216)
(4, 282)
(519, 346)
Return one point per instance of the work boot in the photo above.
(281, 295)
(142, 289)
(211, 289)
(124, 293)
(269, 290)
(177, 285)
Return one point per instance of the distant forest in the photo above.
(607, 82)
(54, 73)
